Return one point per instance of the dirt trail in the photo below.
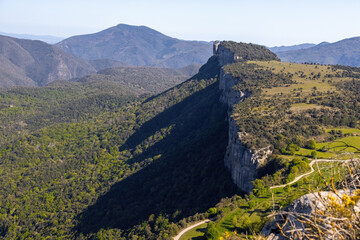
(177, 237)
(312, 170)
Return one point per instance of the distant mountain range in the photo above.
(344, 52)
(278, 49)
(45, 38)
(35, 63)
(137, 46)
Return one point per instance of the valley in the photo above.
(150, 145)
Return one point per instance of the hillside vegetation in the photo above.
(24, 110)
(294, 102)
(302, 112)
(103, 158)
(248, 51)
(150, 80)
(121, 170)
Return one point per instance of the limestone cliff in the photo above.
(241, 161)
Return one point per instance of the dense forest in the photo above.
(117, 165)
(104, 158)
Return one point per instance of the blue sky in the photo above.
(271, 22)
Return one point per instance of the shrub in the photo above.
(212, 211)
(311, 144)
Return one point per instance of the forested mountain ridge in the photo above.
(131, 166)
(142, 157)
(137, 46)
(35, 63)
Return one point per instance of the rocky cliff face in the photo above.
(241, 161)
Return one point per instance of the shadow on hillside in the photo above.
(178, 114)
(189, 176)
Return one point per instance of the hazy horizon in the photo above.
(274, 23)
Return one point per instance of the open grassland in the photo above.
(298, 107)
(308, 77)
(346, 147)
(354, 131)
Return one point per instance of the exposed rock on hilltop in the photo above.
(35, 63)
(137, 46)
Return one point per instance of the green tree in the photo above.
(211, 232)
(212, 211)
(258, 187)
(311, 144)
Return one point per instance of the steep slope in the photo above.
(151, 162)
(241, 160)
(283, 115)
(344, 52)
(137, 46)
(35, 63)
(262, 96)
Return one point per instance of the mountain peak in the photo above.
(137, 46)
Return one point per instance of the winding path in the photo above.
(177, 237)
(312, 170)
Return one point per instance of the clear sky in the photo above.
(267, 22)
